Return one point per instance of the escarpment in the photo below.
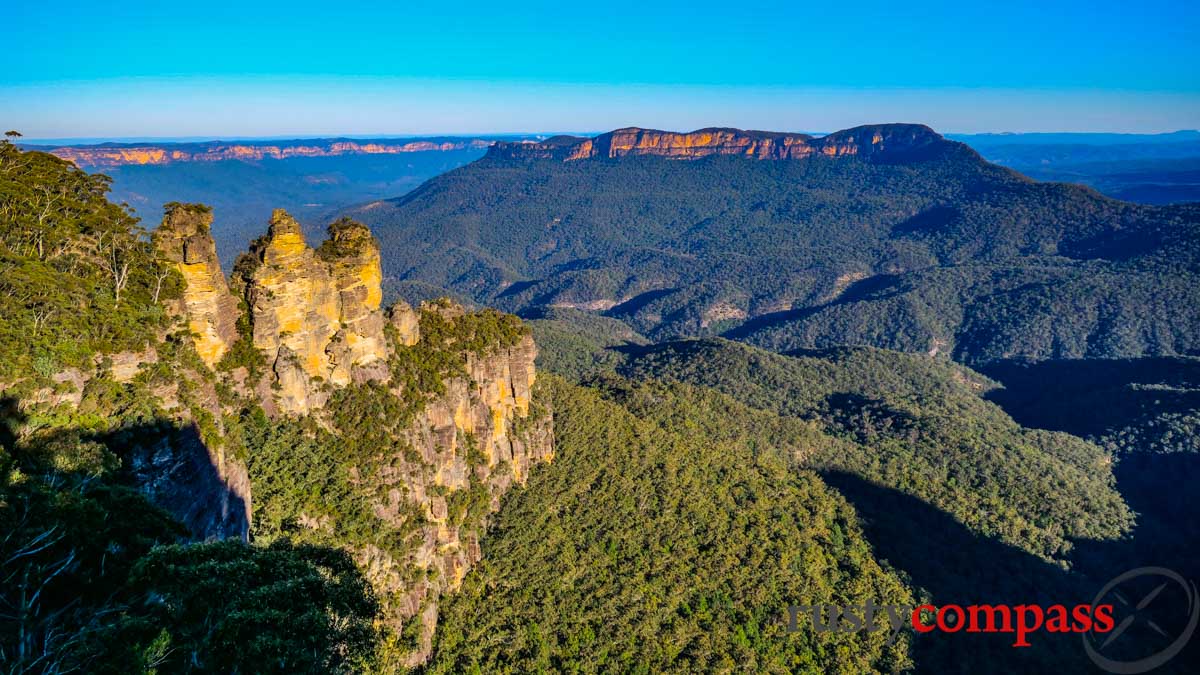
(115, 155)
(427, 415)
(454, 462)
(865, 141)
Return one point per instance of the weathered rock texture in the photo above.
(208, 491)
(316, 318)
(211, 311)
(480, 435)
(866, 141)
(352, 255)
(406, 321)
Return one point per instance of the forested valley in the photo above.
(758, 384)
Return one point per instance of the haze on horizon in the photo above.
(310, 69)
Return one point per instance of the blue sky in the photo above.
(303, 68)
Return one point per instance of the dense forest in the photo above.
(699, 486)
(961, 501)
(108, 421)
(936, 251)
(655, 546)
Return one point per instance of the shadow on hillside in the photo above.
(95, 578)
(878, 287)
(519, 287)
(10, 420)
(957, 566)
(931, 221)
(1161, 489)
(1085, 398)
(1089, 397)
(166, 461)
(638, 302)
(179, 473)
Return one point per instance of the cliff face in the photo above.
(358, 350)
(184, 240)
(207, 490)
(106, 156)
(867, 141)
(480, 437)
(316, 318)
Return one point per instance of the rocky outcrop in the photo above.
(352, 255)
(208, 491)
(211, 311)
(866, 141)
(113, 155)
(316, 318)
(406, 321)
(482, 434)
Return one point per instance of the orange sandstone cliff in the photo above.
(866, 141)
(184, 240)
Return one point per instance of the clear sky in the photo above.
(91, 69)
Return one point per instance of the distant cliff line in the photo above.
(868, 141)
(124, 154)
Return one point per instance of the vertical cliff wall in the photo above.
(459, 385)
(464, 451)
(358, 350)
(315, 317)
(184, 239)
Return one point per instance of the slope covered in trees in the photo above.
(654, 545)
(914, 251)
(77, 278)
(93, 576)
(693, 504)
(919, 426)
(965, 504)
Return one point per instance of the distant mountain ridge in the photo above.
(886, 235)
(1144, 168)
(1077, 138)
(245, 179)
(107, 155)
(863, 141)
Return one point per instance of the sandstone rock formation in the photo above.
(211, 311)
(208, 491)
(352, 255)
(481, 434)
(406, 322)
(316, 318)
(865, 141)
